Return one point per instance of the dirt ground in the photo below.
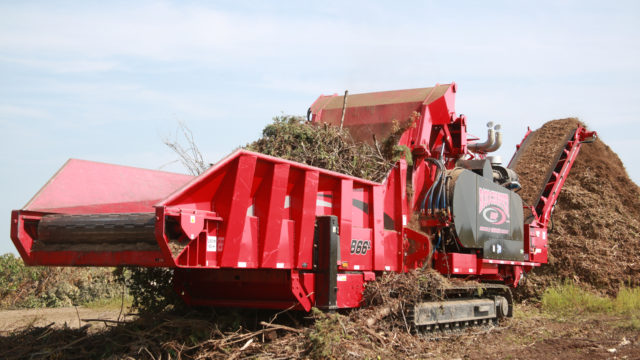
(534, 335)
(531, 334)
(11, 320)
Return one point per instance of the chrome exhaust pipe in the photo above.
(498, 141)
(483, 146)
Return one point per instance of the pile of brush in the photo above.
(332, 148)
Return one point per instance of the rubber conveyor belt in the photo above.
(74, 232)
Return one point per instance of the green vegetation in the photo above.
(150, 288)
(125, 301)
(332, 148)
(326, 335)
(568, 299)
(33, 287)
(14, 273)
(145, 289)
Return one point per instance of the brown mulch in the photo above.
(595, 232)
(538, 155)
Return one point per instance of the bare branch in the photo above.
(185, 146)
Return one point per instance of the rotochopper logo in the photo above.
(494, 206)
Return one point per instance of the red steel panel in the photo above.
(372, 114)
(419, 249)
(269, 288)
(300, 292)
(305, 217)
(377, 219)
(87, 187)
(99, 258)
(392, 251)
(22, 239)
(275, 250)
(456, 264)
(401, 212)
(234, 221)
(344, 213)
(266, 211)
(350, 289)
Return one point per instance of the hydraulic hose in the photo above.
(443, 177)
(437, 243)
(444, 200)
(428, 195)
(440, 198)
(436, 189)
(434, 186)
(437, 186)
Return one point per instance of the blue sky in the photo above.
(107, 81)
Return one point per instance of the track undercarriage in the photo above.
(462, 306)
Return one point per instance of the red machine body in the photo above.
(259, 231)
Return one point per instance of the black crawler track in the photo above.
(464, 292)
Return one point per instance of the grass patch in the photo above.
(568, 299)
(110, 303)
(627, 301)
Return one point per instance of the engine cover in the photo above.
(487, 216)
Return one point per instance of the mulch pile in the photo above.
(595, 237)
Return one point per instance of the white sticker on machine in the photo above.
(342, 277)
(212, 243)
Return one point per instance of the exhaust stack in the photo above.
(498, 140)
(493, 142)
